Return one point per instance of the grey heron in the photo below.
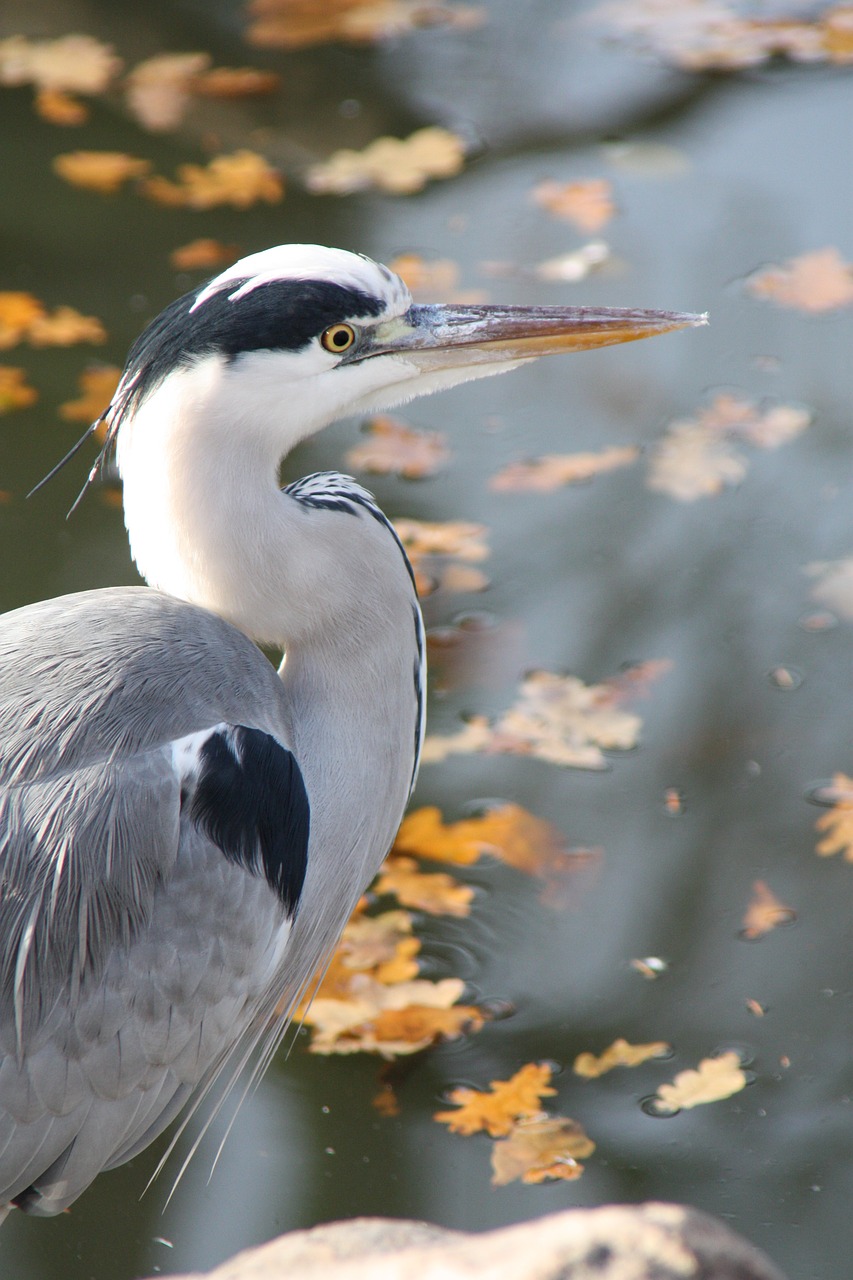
(183, 830)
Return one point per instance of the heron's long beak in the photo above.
(436, 336)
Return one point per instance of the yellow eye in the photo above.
(338, 337)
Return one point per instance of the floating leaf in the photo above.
(508, 832)
(426, 1012)
(395, 448)
(429, 544)
(203, 255)
(97, 386)
(476, 735)
(619, 1054)
(541, 1149)
(296, 24)
(103, 171)
(74, 63)
(64, 328)
(427, 281)
(60, 108)
(814, 282)
(15, 392)
(507, 1101)
(235, 82)
(159, 88)
(436, 893)
(713, 1080)
(697, 458)
(543, 475)
(18, 312)
(834, 586)
(399, 166)
(240, 179)
(765, 912)
(837, 822)
(589, 204)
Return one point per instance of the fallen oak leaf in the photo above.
(398, 166)
(58, 107)
(814, 282)
(554, 470)
(588, 204)
(203, 255)
(764, 912)
(15, 391)
(436, 893)
(18, 311)
(65, 327)
(541, 1149)
(158, 89)
(240, 179)
(712, 1081)
(837, 823)
(619, 1054)
(103, 171)
(348, 1025)
(73, 63)
(395, 448)
(506, 1102)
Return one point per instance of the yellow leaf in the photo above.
(64, 328)
(589, 204)
(837, 822)
(399, 166)
(240, 180)
(350, 1025)
(496, 1111)
(619, 1054)
(393, 447)
(60, 108)
(18, 311)
(97, 386)
(543, 475)
(438, 894)
(765, 912)
(540, 1149)
(813, 282)
(474, 736)
(713, 1080)
(15, 393)
(102, 171)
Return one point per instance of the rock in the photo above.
(617, 1242)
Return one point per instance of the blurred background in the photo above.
(724, 149)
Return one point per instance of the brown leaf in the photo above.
(619, 1054)
(398, 166)
(235, 82)
(297, 24)
(837, 822)
(240, 179)
(15, 393)
(60, 108)
(395, 448)
(713, 1080)
(385, 1100)
(541, 1149)
(97, 386)
(428, 545)
(813, 282)
(589, 204)
(543, 475)
(496, 1111)
(203, 255)
(103, 171)
(436, 893)
(765, 912)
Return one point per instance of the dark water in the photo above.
(585, 580)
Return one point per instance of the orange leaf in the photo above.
(765, 912)
(543, 475)
(399, 166)
(393, 447)
(103, 171)
(297, 24)
(508, 1101)
(97, 386)
(60, 108)
(18, 311)
(203, 255)
(837, 822)
(240, 179)
(64, 328)
(418, 1023)
(619, 1054)
(589, 205)
(541, 1149)
(235, 82)
(438, 894)
(14, 390)
(813, 282)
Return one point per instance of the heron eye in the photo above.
(338, 337)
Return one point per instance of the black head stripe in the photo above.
(250, 800)
(281, 315)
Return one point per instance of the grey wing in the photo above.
(147, 883)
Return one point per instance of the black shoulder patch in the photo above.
(251, 801)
